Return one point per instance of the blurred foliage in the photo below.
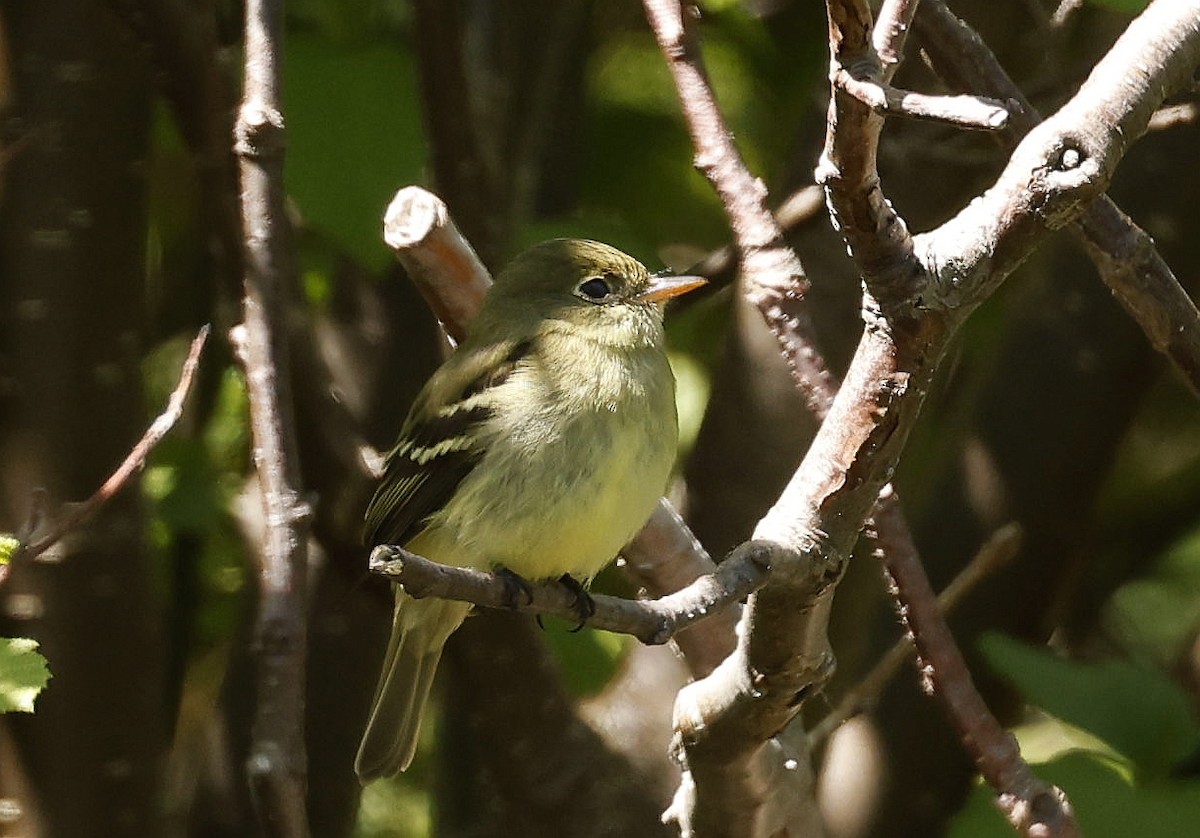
(1107, 804)
(23, 674)
(334, 95)
(1156, 617)
(1136, 710)
(639, 166)
(588, 658)
(396, 808)
(1157, 466)
(1120, 738)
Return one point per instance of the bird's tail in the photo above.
(420, 628)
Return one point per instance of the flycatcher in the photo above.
(541, 446)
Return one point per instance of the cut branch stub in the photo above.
(439, 260)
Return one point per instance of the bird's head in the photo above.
(587, 287)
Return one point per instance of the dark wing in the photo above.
(438, 445)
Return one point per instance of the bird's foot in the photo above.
(583, 605)
(516, 588)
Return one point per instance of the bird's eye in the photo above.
(596, 288)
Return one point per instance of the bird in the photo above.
(539, 448)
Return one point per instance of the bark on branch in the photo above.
(943, 275)
(276, 763)
(723, 782)
(1065, 163)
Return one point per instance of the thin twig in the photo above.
(133, 462)
(1174, 116)
(875, 234)
(720, 266)
(1033, 806)
(1000, 549)
(976, 112)
(18, 146)
(891, 31)
(651, 621)
(774, 280)
(1064, 13)
(277, 764)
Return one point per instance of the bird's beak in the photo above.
(663, 288)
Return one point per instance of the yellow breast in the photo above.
(569, 475)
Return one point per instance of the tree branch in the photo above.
(877, 237)
(133, 462)
(276, 764)
(975, 112)
(904, 277)
(653, 622)
(753, 694)
(438, 259)
(1126, 257)
(773, 278)
(1032, 806)
(1050, 178)
(723, 721)
(890, 33)
(1174, 116)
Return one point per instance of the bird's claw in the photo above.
(516, 587)
(583, 605)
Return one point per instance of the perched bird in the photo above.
(540, 447)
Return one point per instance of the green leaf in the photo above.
(1154, 616)
(8, 548)
(1136, 710)
(23, 674)
(1106, 804)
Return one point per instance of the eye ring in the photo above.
(596, 288)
